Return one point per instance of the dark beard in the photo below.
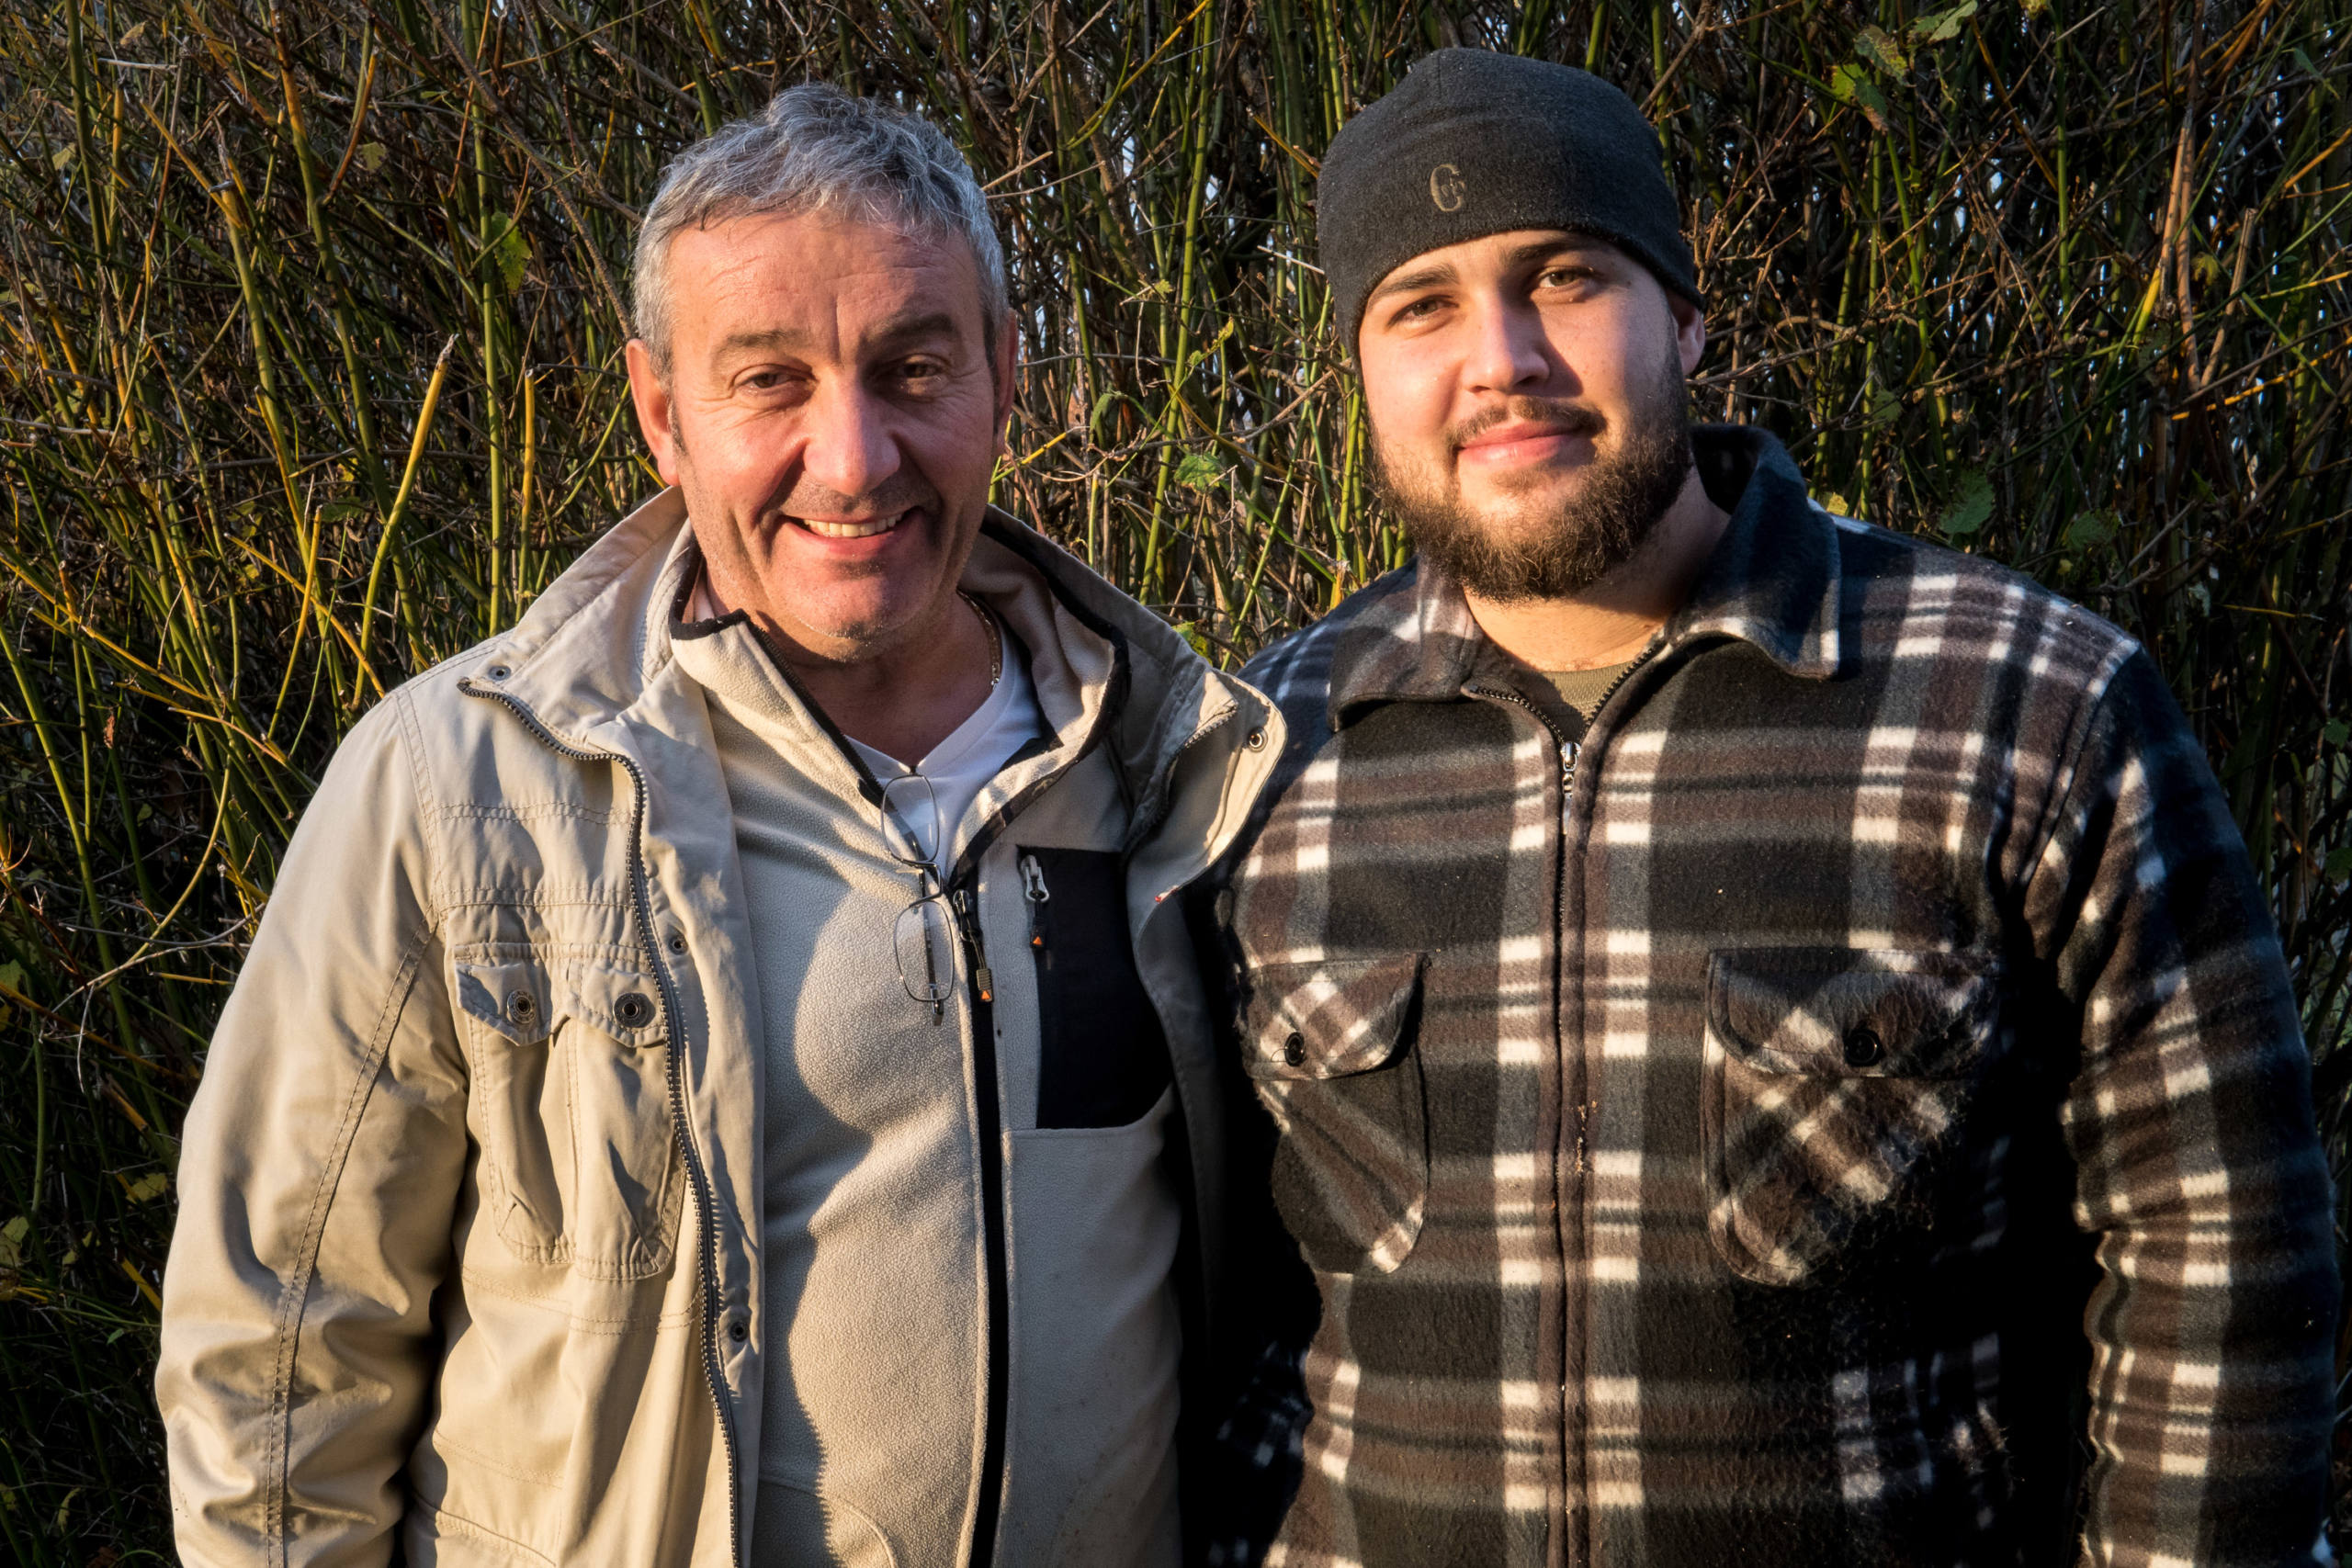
(1626, 492)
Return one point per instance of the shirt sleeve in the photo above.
(2199, 1175)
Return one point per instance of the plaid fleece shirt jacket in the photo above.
(1847, 1107)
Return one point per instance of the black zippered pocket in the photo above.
(1102, 1056)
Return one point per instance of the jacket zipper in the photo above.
(1037, 895)
(706, 1240)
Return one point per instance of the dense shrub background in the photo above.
(310, 335)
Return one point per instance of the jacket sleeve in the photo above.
(2198, 1172)
(318, 1170)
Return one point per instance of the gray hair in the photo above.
(817, 149)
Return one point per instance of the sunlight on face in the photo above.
(1526, 395)
(831, 413)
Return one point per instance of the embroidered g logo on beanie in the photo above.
(1445, 188)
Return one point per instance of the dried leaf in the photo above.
(150, 1186)
(371, 155)
(1877, 46)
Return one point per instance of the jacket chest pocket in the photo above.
(1330, 1048)
(1102, 1054)
(1836, 1086)
(570, 1099)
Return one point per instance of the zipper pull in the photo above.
(1032, 888)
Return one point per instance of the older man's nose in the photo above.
(849, 448)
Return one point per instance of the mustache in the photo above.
(1569, 419)
(808, 499)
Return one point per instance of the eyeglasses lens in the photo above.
(911, 820)
(926, 951)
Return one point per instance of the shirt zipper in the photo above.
(706, 1240)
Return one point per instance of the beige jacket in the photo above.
(470, 1255)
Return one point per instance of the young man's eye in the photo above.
(1564, 276)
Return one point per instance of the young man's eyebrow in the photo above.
(1538, 249)
(1406, 280)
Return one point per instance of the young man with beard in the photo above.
(1775, 1053)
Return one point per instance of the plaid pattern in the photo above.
(1712, 1141)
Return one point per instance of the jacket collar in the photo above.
(1772, 582)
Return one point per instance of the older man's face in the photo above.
(832, 415)
(1526, 397)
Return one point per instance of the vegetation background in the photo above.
(310, 325)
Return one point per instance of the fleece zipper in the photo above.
(707, 1211)
(1575, 1092)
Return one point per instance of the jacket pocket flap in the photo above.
(1328, 1018)
(1876, 1013)
(523, 992)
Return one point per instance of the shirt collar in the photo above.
(1772, 582)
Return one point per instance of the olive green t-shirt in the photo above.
(1583, 689)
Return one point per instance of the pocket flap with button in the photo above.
(524, 995)
(1883, 1013)
(1329, 1018)
(1837, 1089)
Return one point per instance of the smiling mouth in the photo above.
(863, 529)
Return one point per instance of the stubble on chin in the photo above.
(1540, 550)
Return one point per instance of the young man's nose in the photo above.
(851, 448)
(1508, 352)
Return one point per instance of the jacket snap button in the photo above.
(738, 1330)
(633, 1008)
(677, 942)
(1863, 1047)
(1294, 1049)
(499, 671)
(522, 1007)
(1255, 739)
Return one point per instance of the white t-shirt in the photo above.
(962, 765)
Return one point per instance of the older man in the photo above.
(721, 1079)
(1786, 1063)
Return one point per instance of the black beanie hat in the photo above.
(1473, 143)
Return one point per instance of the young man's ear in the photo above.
(656, 412)
(1689, 331)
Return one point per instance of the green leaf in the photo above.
(150, 1186)
(371, 155)
(12, 1241)
(2091, 530)
(1198, 471)
(61, 158)
(1971, 507)
(505, 248)
(1877, 46)
(2340, 868)
(1938, 25)
(1853, 84)
(336, 510)
(2336, 732)
(1190, 632)
(1885, 408)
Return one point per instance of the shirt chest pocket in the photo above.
(1330, 1047)
(1836, 1088)
(571, 1103)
